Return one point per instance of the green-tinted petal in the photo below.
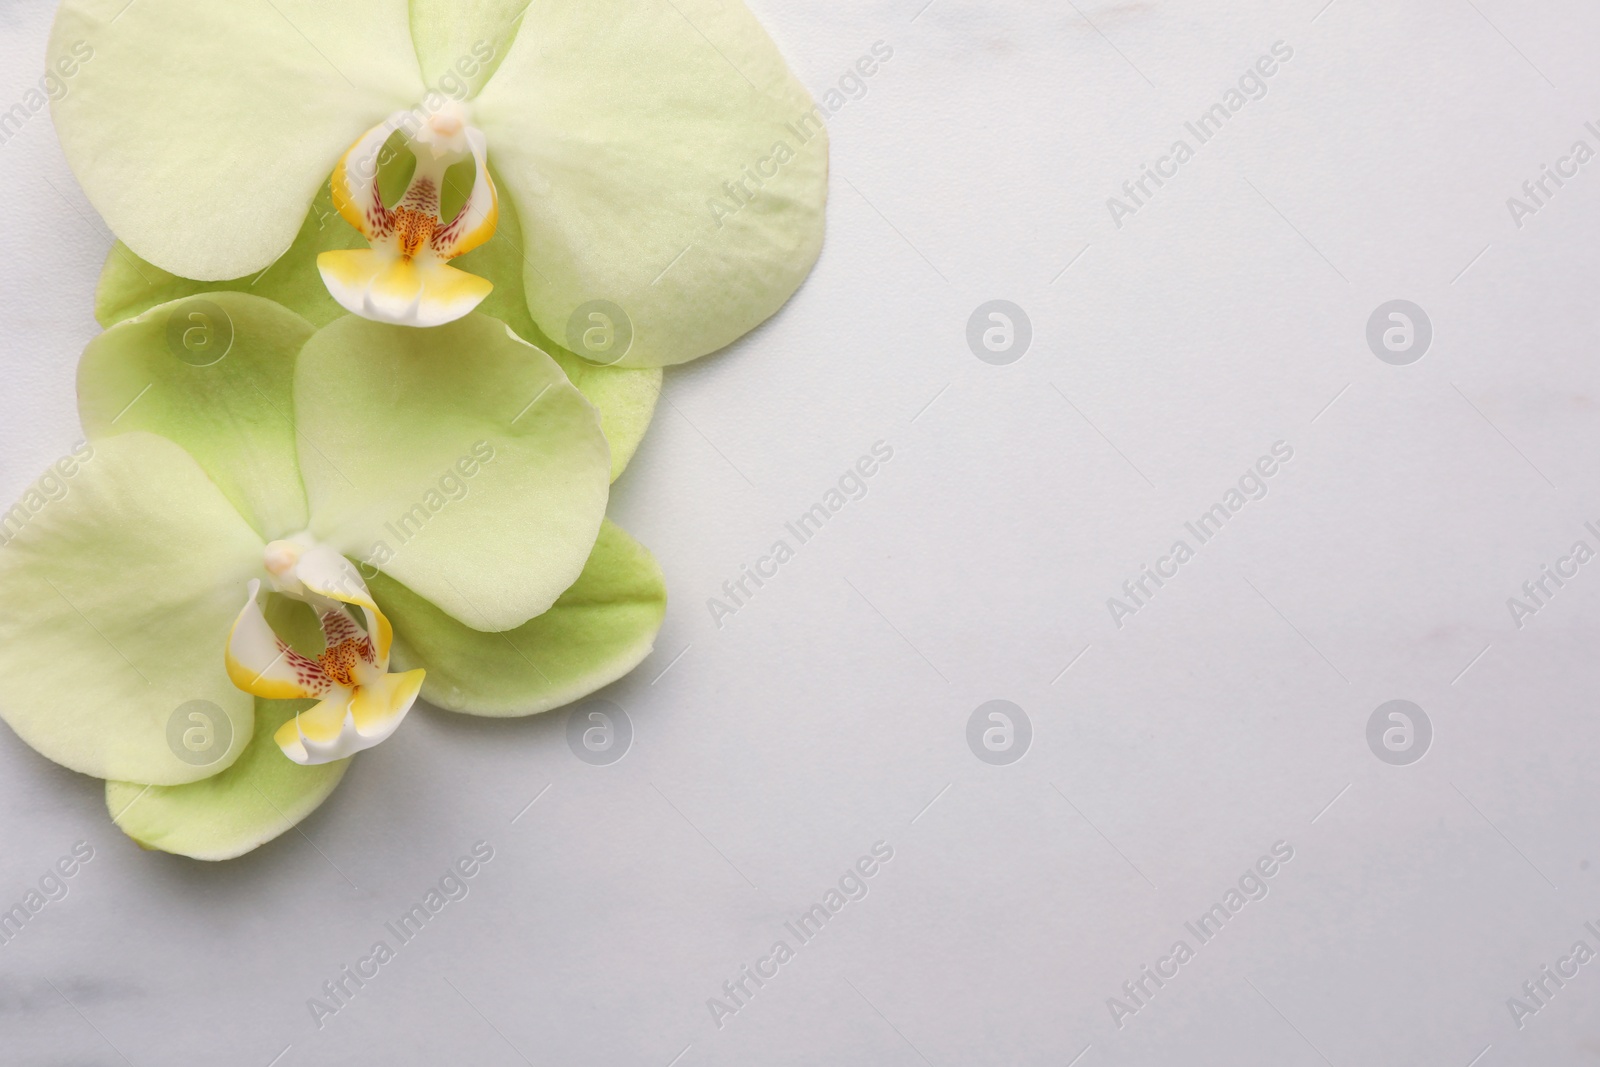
(130, 286)
(459, 460)
(202, 130)
(599, 630)
(261, 796)
(614, 126)
(215, 374)
(461, 42)
(118, 586)
(626, 396)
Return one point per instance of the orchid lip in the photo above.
(359, 702)
(404, 277)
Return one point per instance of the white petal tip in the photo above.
(398, 292)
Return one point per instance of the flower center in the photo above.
(404, 278)
(281, 559)
(359, 701)
(339, 661)
(415, 229)
(443, 131)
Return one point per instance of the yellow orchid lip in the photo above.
(405, 277)
(359, 703)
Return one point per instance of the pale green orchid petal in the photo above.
(130, 286)
(596, 632)
(119, 594)
(261, 796)
(625, 396)
(458, 460)
(201, 131)
(460, 43)
(614, 126)
(215, 374)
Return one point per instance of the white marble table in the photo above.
(1174, 742)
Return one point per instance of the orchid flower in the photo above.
(396, 524)
(359, 703)
(661, 159)
(625, 396)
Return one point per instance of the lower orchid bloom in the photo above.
(406, 513)
(359, 703)
(662, 158)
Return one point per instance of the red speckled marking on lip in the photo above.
(337, 627)
(346, 643)
(308, 672)
(415, 229)
(338, 662)
(422, 196)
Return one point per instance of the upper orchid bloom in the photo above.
(399, 523)
(661, 159)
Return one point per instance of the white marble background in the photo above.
(831, 711)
